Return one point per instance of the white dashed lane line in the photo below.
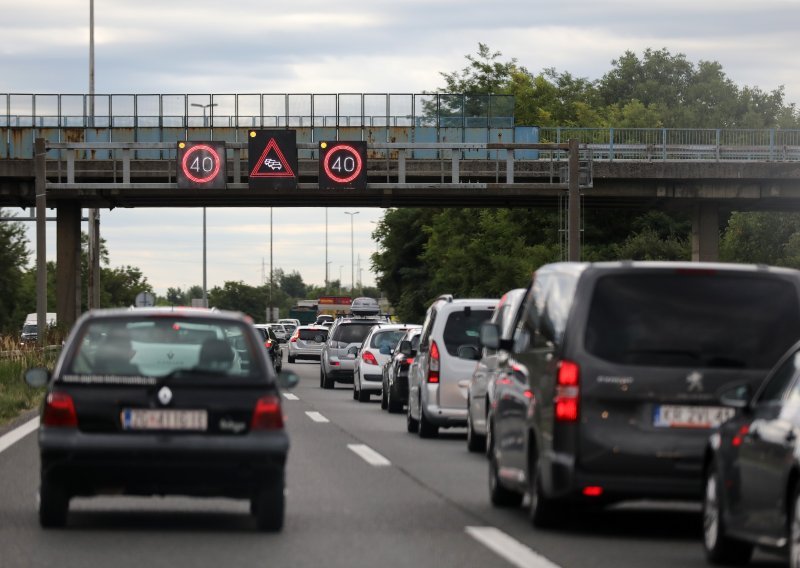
(369, 455)
(316, 416)
(290, 396)
(509, 548)
(7, 440)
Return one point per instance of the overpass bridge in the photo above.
(70, 152)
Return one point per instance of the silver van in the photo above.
(440, 374)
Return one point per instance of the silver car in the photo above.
(478, 392)
(339, 351)
(306, 342)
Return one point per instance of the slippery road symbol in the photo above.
(273, 164)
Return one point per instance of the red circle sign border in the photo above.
(333, 176)
(198, 148)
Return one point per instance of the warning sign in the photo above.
(272, 159)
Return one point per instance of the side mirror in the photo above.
(490, 335)
(288, 379)
(737, 397)
(405, 348)
(37, 377)
(352, 352)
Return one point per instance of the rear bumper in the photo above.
(371, 382)
(341, 376)
(148, 464)
(304, 353)
(445, 417)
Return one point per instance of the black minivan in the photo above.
(615, 373)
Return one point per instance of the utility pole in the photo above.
(93, 286)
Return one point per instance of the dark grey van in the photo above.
(615, 372)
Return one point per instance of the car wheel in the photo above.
(327, 382)
(53, 505)
(412, 424)
(290, 359)
(363, 396)
(384, 397)
(268, 506)
(392, 405)
(719, 548)
(475, 442)
(794, 531)
(499, 495)
(542, 511)
(426, 429)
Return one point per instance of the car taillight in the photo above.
(267, 414)
(369, 358)
(268, 344)
(737, 439)
(295, 337)
(409, 360)
(433, 364)
(567, 392)
(593, 491)
(59, 410)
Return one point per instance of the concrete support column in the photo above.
(68, 264)
(705, 233)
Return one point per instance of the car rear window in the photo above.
(157, 347)
(388, 337)
(311, 334)
(463, 328)
(696, 318)
(352, 332)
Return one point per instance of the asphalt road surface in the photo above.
(361, 492)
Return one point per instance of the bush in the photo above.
(15, 394)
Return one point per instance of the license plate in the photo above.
(164, 419)
(675, 416)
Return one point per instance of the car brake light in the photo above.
(267, 414)
(294, 337)
(409, 360)
(433, 366)
(593, 491)
(567, 392)
(737, 439)
(59, 410)
(369, 358)
(268, 344)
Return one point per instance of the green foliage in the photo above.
(15, 395)
(762, 237)
(13, 257)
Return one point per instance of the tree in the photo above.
(762, 237)
(292, 284)
(13, 258)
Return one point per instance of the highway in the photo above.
(361, 492)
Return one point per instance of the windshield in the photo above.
(313, 334)
(352, 333)
(697, 319)
(161, 346)
(386, 338)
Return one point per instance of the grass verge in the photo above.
(15, 395)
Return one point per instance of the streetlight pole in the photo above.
(205, 271)
(93, 286)
(352, 254)
(326, 250)
(340, 277)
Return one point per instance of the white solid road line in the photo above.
(509, 548)
(290, 396)
(369, 455)
(7, 440)
(316, 416)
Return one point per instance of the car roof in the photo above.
(160, 311)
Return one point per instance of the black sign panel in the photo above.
(201, 165)
(342, 165)
(272, 159)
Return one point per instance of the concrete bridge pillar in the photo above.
(68, 264)
(705, 233)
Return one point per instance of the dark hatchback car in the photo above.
(614, 375)
(395, 373)
(156, 402)
(752, 472)
(272, 344)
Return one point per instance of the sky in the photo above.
(347, 46)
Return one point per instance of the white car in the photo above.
(374, 353)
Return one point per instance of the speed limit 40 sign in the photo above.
(201, 165)
(342, 165)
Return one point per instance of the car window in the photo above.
(463, 328)
(388, 337)
(702, 319)
(312, 334)
(159, 347)
(775, 387)
(352, 333)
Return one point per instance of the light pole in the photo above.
(326, 250)
(340, 277)
(352, 249)
(93, 286)
(205, 293)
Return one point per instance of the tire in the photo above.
(384, 397)
(543, 511)
(794, 531)
(719, 548)
(321, 377)
(290, 359)
(392, 405)
(426, 429)
(355, 392)
(412, 424)
(53, 505)
(363, 396)
(499, 495)
(475, 442)
(327, 382)
(268, 506)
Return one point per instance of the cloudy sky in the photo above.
(346, 46)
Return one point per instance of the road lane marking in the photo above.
(316, 416)
(7, 440)
(369, 455)
(290, 396)
(509, 548)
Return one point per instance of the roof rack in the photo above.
(446, 297)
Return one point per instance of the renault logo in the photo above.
(694, 381)
(164, 396)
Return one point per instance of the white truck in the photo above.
(30, 331)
